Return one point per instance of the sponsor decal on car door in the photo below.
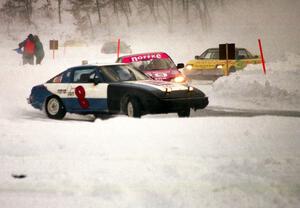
(87, 96)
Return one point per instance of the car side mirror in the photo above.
(256, 56)
(197, 57)
(180, 66)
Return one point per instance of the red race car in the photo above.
(157, 65)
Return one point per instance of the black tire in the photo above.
(133, 108)
(184, 113)
(55, 108)
(232, 69)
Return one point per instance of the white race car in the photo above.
(116, 88)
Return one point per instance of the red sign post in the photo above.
(262, 56)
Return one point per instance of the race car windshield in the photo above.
(119, 73)
(154, 64)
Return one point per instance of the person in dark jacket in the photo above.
(28, 46)
(39, 50)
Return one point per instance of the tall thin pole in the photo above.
(262, 56)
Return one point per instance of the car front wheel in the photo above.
(133, 108)
(184, 112)
(54, 108)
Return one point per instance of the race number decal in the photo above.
(80, 93)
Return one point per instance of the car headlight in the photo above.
(219, 67)
(179, 79)
(189, 67)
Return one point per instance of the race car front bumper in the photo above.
(171, 105)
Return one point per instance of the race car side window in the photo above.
(242, 54)
(56, 79)
(121, 73)
(249, 54)
(85, 75)
(215, 55)
(210, 54)
(202, 56)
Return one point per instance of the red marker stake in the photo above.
(262, 56)
(118, 52)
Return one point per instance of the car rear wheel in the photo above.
(133, 108)
(184, 112)
(55, 108)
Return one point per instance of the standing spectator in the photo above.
(29, 49)
(39, 50)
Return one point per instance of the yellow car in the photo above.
(208, 63)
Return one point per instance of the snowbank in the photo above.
(279, 89)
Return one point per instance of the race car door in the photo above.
(208, 60)
(244, 57)
(84, 94)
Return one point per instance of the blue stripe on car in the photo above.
(95, 104)
(38, 96)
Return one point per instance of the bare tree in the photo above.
(100, 6)
(28, 10)
(81, 11)
(201, 6)
(47, 9)
(59, 11)
(185, 5)
(84, 11)
(126, 9)
(150, 4)
(6, 16)
(98, 10)
(21, 9)
(168, 6)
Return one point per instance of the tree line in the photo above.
(88, 13)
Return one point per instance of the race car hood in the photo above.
(162, 74)
(146, 89)
(160, 85)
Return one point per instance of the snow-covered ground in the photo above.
(155, 161)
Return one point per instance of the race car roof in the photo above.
(103, 64)
(143, 57)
